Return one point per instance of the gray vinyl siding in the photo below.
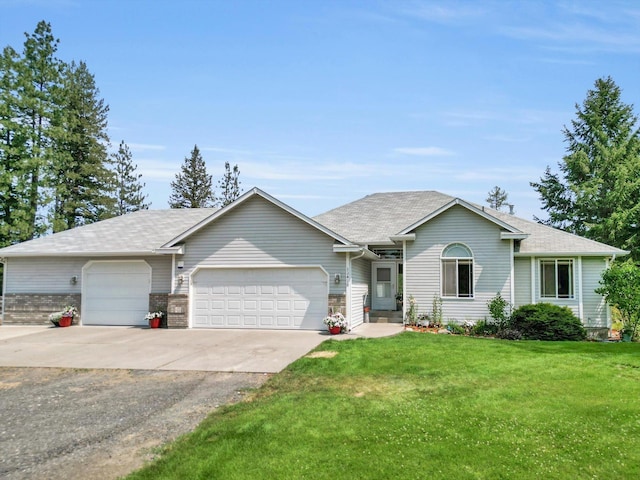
(522, 282)
(594, 306)
(361, 277)
(53, 274)
(491, 263)
(259, 233)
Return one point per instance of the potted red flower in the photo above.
(154, 318)
(64, 318)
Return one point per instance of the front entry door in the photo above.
(384, 277)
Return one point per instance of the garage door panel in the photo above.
(116, 293)
(262, 298)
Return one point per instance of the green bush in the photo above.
(509, 334)
(455, 328)
(545, 321)
(484, 328)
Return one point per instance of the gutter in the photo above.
(3, 260)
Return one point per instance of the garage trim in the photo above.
(243, 267)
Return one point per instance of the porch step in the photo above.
(385, 316)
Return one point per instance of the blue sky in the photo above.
(322, 102)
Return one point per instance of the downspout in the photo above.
(349, 283)
(172, 288)
(4, 262)
(512, 283)
(580, 298)
(404, 281)
(532, 265)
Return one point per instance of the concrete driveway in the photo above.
(256, 351)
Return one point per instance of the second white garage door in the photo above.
(270, 298)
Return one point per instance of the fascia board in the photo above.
(468, 206)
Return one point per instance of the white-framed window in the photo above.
(457, 271)
(556, 278)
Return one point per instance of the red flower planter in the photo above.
(154, 323)
(334, 330)
(65, 321)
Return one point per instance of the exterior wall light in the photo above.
(336, 278)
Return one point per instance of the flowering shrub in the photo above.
(468, 326)
(69, 311)
(336, 320)
(152, 315)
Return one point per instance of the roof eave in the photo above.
(355, 249)
(407, 237)
(468, 206)
(571, 254)
(513, 236)
(177, 250)
(78, 254)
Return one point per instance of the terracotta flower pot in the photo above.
(65, 321)
(334, 330)
(154, 322)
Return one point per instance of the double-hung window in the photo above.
(556, 278)
(457, 271)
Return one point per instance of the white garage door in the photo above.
(285, 298)
(116, 293)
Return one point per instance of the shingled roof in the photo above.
(373, 219)
(136, 233)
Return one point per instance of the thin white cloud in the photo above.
(232, 151)
(424, 151)
(145, 147)
(304, 171)
(445, 13)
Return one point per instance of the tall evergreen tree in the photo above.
(192, 187)
(497, 197)
(228, 185)
(597, 193)
(38, 81)
(127, 182)
(13, 145)
(78, 170)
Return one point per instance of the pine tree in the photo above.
(497, 197)
(13, 145)
(127, 184)
(228, 186)
(192, 187)
(38, 81)
(78, 171)
(597, 193)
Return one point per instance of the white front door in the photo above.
(384, 277)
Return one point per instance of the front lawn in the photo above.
(428, 406)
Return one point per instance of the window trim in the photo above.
(570, 262)
(459, 260)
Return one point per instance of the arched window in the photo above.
(457, 271)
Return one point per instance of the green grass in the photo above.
(428, 406)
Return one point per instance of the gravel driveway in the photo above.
(102, 424)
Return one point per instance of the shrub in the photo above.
(545, 321)
(509, 334)
(484, 328)
(499, 309)
(455, 328)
